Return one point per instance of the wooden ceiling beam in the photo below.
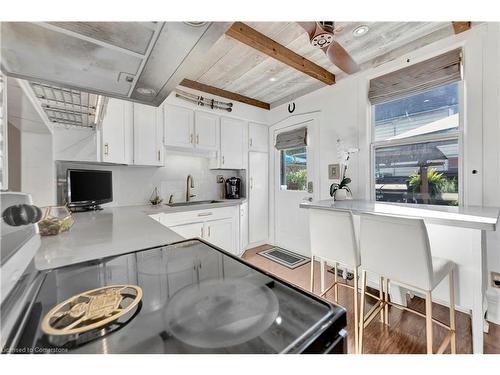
(460, 27)
(225, 94)
(252, 38)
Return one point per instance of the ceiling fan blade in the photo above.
(309, 27)
(341, 58)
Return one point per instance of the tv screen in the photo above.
(89, 186)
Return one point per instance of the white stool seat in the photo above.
(398, 249)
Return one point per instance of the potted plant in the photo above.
(155, 198)
(340, 191)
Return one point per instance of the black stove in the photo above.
(196, 298)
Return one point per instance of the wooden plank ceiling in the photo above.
(236, 67)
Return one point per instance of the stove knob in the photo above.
(21, 214)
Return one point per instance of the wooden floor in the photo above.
(406, 331)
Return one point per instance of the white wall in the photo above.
(345, 113)
(37, 168)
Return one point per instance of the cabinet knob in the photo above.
(222, 159)
(106, 149)
(208, 231)
(191, 138)
(197, 139)
(159, 155)
(251, 141)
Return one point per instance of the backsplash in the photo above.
(133, 185)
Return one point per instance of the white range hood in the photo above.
(138, 61)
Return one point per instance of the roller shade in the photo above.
(292, 138)
(425, 75)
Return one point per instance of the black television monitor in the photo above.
(87, 189)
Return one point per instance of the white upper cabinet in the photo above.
(186, 129)
(148, 135)
(115, 130)
(258, 137)
(233, 144)
(206, 127)
(179, 127)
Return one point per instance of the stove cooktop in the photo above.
(195, 299)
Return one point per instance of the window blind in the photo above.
(292, 138)
(425, 75)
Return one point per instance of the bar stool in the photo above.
(333, 240)
(399, 250)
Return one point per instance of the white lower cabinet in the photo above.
(243, 226)
(191, 230)
(218, 226)
(220, 233)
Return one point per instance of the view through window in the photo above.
(294, 169)
(416, 147)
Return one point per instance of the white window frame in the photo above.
(458, 135)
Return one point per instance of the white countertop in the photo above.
(476, 217)
(112, 231)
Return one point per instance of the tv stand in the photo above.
(90, 207)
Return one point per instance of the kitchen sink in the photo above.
(192, 203)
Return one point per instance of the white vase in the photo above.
(341, 195)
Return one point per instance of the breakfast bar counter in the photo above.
(455, 233)
(474, 217)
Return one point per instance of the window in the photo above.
(416, 147)
(293, 166)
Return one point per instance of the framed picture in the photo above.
(334, 171)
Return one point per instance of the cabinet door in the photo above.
(113, 132)
(179, 126)
(188, 231)
(147, 135)
(232, 143)
(258, 197)
(243, 226)
(257, 137)
(220, 233)
(207, 131)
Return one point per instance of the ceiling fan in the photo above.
(321, 35)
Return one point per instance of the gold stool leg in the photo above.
(362, 312)
(381, 296)
(335, 280)
(312, 273)
(356, 311)
(386, 300)
(428, 321)
(453, 342)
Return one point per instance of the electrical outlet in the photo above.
(220, 179)
(495, 279)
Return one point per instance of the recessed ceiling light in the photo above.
(273, 79)
(146, 91)
(360, 30)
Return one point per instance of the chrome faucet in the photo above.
(189, 186)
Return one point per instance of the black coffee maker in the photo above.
(233, 185)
